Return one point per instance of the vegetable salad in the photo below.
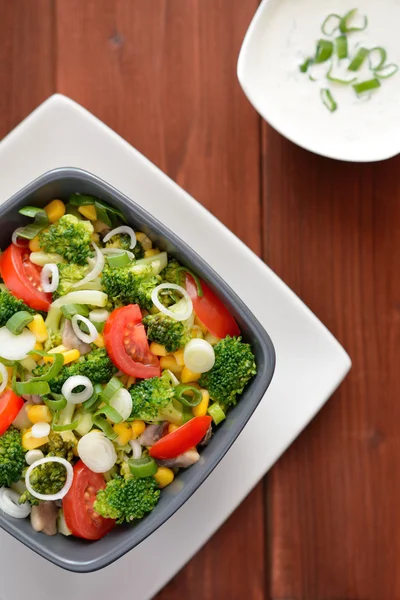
(116, 365)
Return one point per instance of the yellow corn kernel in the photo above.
(99, 341)
(131, 381)
(30, 443)
(178, 355)
(137, 428)
(89, 212)
(34, 245)
(169, 362)
(172, 427)
(38, 413)
(197, 332)
(124, 431)
(95, 238)
(188, 376)
(38, 328)
(164, 476)
(146, 242)
(55, 210)
(151, 252)
(158, 349)
(201, 409)
(200, 324)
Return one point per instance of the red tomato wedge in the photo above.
(182, 439)
(211, 311)
(22, 277)
(127, 345)
(80, 517)
(10, 405)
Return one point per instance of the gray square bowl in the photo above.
(83, 556)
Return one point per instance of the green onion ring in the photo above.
(324, 51)
(324, 27)
(56, 404)
(68, 427)
(40, 388)
(196, 280)
(105, 427)
(342, 49)
(382, 58)
(110, 413)
(215, 411)
(94, 398)
(142, 467)
(306, 64)
(330, 77)
(366, 86)
(344, 27)
(182, 394)
(328, 100)
(383, 75)
(17, 323)
(112, 386)
(359, 59)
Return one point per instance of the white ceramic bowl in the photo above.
(281, 35)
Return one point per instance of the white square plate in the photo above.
(310, 362)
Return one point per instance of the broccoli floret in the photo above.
(48, 478)
(9, 305)
(123, 241)
(96, 365)
(53, 326)
(62, 444)
(70, 274)
(126, 499)
(152, 401)
(69, 237)
(12, 457)
(172, 274)
(166, 331)
(234, 367)
(131, 284)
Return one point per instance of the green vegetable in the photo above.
(122, 241)
(95, 365)
(359, 59)
(48, 478)
(63, 444)
(118, 260)
(132, 284)
(109, 412)
(93, 401)
(381, 58)
(41, 221)
(142, 467)
(193, 398)
(328, 100)
(324, 51)
(167, 331)
(386, 71)
(234, 367)
(345, 26)
(366, 86)
(306, 64)
(69, 310)
(126, 499)
(17, 323)
(152, 401)
(331, 24)
(56, 402)
(70, 238)
(341, 47)
(105, 427)
(105, 213)
(53, 326)
(215, 411)
(112, 386)
(71, 274)
(12, 457)
(40, 388)
(9, 305)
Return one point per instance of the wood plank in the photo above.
(26, 59)
(163, 75)
(331, 231)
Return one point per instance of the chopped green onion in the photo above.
(215, 411)
(366, 86)
(109, 412)
(142, 467)
(81, 200)
(196, 279)
(112, 386)
(345, 26)
(105, 213)
(381, 59)
(17, 323)
(328, 100)
(342, 49)
(118, 260)
(324, 51)
(93, 402)
(69, 310)
(40, 388)
(56, 404)
(187, 414)
(41, 221)
(68, 427)
(306, 64)
(105, 427)
(8, 363)
(330, 77)
(188, 395)
(358, 60)
(54, 370)
(386, 71)
(331, 24)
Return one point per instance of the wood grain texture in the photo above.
(332, 233)
(26, 58)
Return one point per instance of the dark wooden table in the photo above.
(325, 522)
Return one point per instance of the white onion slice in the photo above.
(136, 448)
(100, 315)
(50, 271)
(173, 378)
(92, 297)
(40, 430)
(9, 504)
(15, 235)
(64, 490)
(88, 338)
(97, 452)
(97, 269)
(178, 316)
(16, 347)
(121, 401)
(111, 251)
(33, 456)
(4, 377)
(71, 384)
(123, 229)
(199, 355)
